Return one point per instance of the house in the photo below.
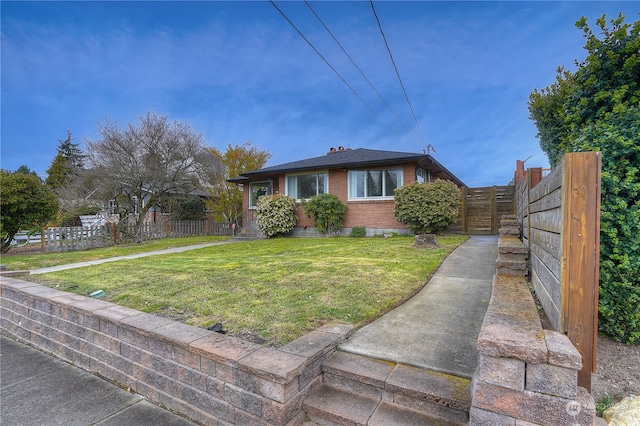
(363, 179)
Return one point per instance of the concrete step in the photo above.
(385, 391)
(332, 406)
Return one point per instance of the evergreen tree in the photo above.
(67, 163)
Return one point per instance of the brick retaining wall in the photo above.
(208, 377)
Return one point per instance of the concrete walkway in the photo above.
(129, 256)
(438, 328)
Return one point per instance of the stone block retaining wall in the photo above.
(525, 375)
(208, 377)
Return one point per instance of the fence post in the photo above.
(464, 210)
(581, 255)
(494, 210)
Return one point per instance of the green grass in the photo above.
(274, 290)
(27, 261)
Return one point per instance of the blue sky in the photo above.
(238, 71)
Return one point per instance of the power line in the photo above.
(362, 73)
(397, 72)
(337, 73)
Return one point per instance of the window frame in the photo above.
(287, 189)
(353, 185)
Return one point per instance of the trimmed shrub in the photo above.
(427, 207)
(327, 210)
(275, 214)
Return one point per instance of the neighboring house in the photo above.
(363, 179)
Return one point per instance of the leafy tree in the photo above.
(67, 163)
(598, 109)
(25, 202)
(140, 164)
(427, 207)
(327, 210)
(235, 160)
(275, 214)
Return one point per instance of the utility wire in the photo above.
(337, 73)
(362, 73)
(397, 73)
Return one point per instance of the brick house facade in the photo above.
(363, 179)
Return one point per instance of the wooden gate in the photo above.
(482, 208)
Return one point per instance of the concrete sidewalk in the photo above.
(39, 390)
(129, 256)
(438, 328)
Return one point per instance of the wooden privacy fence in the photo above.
(70, 238)
(560, 219)
(482, 208)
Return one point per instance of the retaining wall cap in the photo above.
(336, 328)
(81, 303)
(145, 323)
(115, 313)
(313, 345)
(15, 283)
(279, 366)
(561, 351)
(42, 291)
(511, 244)
(511, 326)
(226, 350)
(180, 334)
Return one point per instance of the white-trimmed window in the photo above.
(376, 184)
(421, 175)
(303, 186)
(257, 190)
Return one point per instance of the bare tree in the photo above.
(140, 164)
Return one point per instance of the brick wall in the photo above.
(206, 376)
(525, 375)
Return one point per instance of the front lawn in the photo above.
(272, 291)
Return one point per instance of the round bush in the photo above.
(427, 207)
(275, 214)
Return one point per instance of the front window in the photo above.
(307, 185)
(378, 183)
(257, 190)
(421, 175)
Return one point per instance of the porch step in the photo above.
(358, 390)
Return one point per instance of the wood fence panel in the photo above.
(551, 309)
(580, 255)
